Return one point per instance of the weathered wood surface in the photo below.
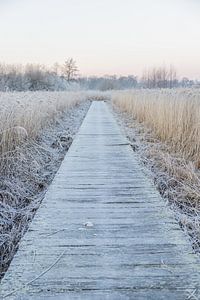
(135, 248)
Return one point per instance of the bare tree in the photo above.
(161, 77)
(57, 69)
(70, 69)
(172, 76)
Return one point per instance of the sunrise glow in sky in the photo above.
(103, 36)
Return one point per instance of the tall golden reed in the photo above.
(173, 115)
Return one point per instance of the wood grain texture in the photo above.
(133, 248)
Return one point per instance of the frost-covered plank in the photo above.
(102, 231)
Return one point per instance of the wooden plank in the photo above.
(134, 249)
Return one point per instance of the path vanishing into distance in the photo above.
(102, 231)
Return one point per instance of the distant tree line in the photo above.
(33, 77)
(108, 82)
(65, 76)
(151, 79)
(165, 77)
(161, 77)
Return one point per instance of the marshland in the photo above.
(100, 148)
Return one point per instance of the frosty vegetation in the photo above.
(33, 78)
(65, 77)
(36, 130)
(163, 127)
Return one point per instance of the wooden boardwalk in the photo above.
(102, 231)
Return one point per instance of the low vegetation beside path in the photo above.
(36, 130)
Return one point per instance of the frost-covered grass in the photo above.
(24, 115)
(36, 130)
(164, 128)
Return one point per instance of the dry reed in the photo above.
(163, 128)
(36, 130)
(24, 115)
(173, 115)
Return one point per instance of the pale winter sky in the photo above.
(103, 36)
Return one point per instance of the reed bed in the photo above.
(173, 115)
(163, 127)
(24, 115)
(36, 130)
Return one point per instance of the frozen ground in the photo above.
(29, 171)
